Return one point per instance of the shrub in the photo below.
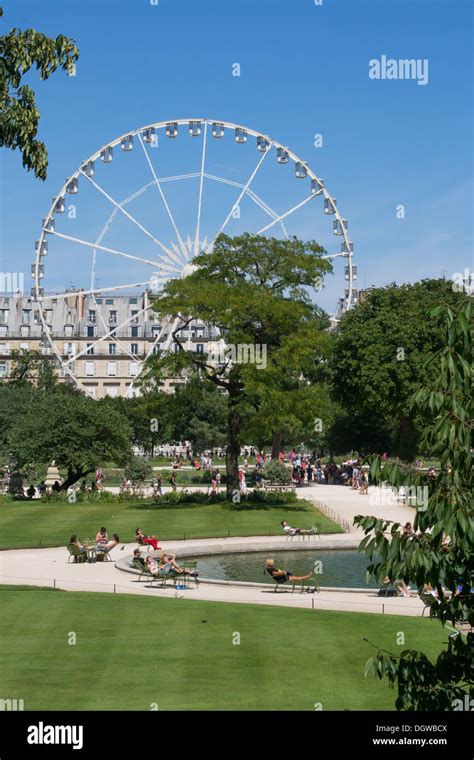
(277, 473)
(138, 469)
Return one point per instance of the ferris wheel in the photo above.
(138, 210)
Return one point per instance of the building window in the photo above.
(68, 331)
(112, 317)
(90, 369)
(98, 300)
(92, 316)
(4, 348)
(24, 346)
(26, 316)
(3, 369)
(112, 349)
(111, 369)
(200, 348)
(133, 314)
(90, 348)
(133, 369)
(69, 349)
(200, 332)
(134, 348)
(134, 332)
(156, 349)
(24, 330)
(109, 302)
(133, 300)
(112, 391)
(90, 331)
(4, 316)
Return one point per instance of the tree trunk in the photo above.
(233, 445)
(276, 445)
(73, 476)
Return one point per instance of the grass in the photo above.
(131, 652)
(35, 523)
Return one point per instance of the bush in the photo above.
(277, 473)
(138, 469)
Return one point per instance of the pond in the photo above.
(338, 568)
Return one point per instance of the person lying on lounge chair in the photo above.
(169, 565)
(281, 576)
(106, 548)
(138, 559)
(298, 531)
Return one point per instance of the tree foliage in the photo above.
(254, 290)
(20, 51)
(441, 553)
(71, 430)
(379, 359)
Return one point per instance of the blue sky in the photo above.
(304, 71)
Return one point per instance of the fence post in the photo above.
(54, 583)
(40, 543)
(114, 588)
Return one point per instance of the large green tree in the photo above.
(254, 290)
(441, 553)
(378, 361)
(20, 51)
(73, 430)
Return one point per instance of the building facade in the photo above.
(102, 339)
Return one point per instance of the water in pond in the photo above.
(345, 569)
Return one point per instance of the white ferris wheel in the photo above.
(139, 209)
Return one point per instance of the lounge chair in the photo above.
(301, 536)
(103, 555)
(75, 554)
(281, 581)
(428, 601)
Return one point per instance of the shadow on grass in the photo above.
(227, 506)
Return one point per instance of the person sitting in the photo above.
(101, 537)
(151, 565)
(31, 492)
(144, 540)
(408, 530)
(42, 488)
(281, 576)
(82, 549)
(56, 487)
(298, 531)
(138, 560)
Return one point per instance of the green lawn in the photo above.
(35, 523)
(132, 652)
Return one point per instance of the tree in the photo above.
(77, 435)
(19, 115)
(441, 553)
(378, 361)
(254, 291)
(32, 367)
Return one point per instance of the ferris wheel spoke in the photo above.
(147, 356)
(286, 214)
(124, 212)
(104, 248)
(201, 183)
(158, 185)
(245, 188)
(103, 338)
(113, 338)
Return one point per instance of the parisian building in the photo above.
(102, 339)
